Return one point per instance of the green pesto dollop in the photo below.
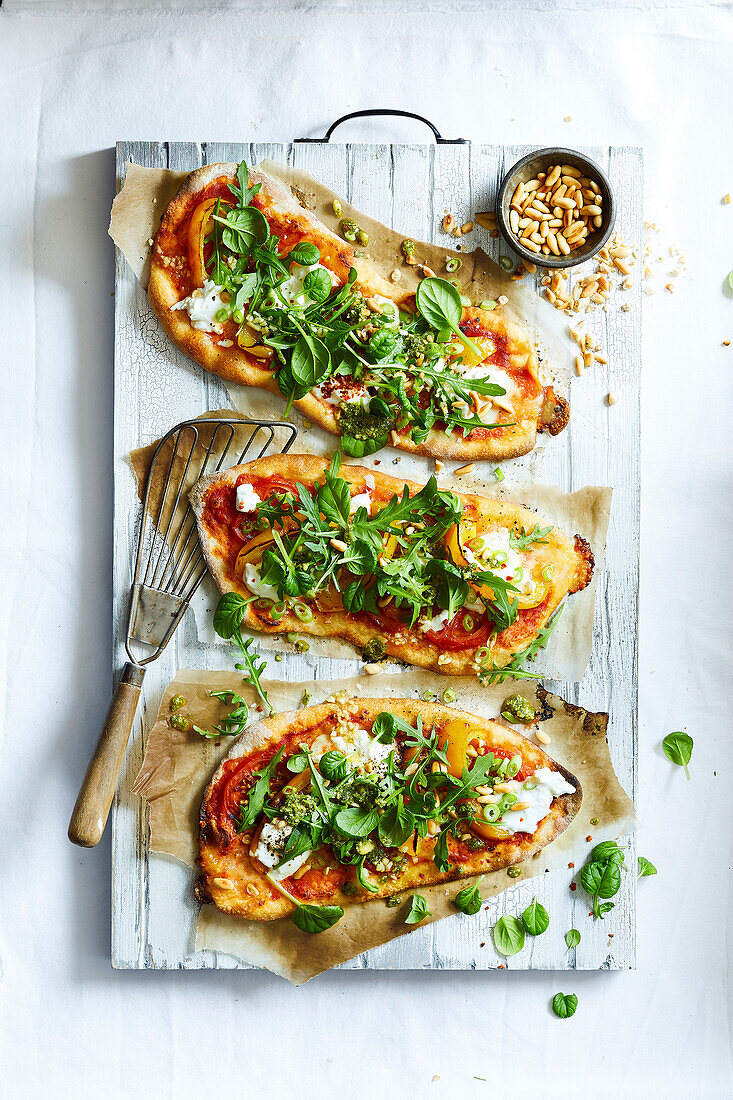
(518, 709)
(356, 421)
(373, 651)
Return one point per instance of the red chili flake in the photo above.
(482, 944)
(501, 966)
(377, 462)
(573, 886)
(571, 865)
(610, 935)
(589, 838)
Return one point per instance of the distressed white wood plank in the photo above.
(409, 187)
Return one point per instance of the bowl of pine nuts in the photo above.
(555, 208)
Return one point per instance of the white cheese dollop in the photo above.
(292, 289)
(361, 500)
(550, 784)
(269, 850)
(361, 749)
(497, 554)
(436, 623)
(247, 499)
(256, 586)
(202, 307)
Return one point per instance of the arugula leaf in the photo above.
(535, 918)
(572, 938)
(564, 1005)
(523, 539)
(645, 867)
(678, 748)
(468, 900)
(316, 918)
(418, 910)
(258, 794)
(440, 852)
(233, 725)
(508, 935)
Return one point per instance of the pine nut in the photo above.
(532, 185)
(531, 245)
(612, 398)
(562, 244)
(591, 210)
(543, 738)
(579, 365)
(518, 194)
(224, 883)
(514, 222)
(549, 295)
(520, 806)
(432, 828)
(465, 469)
(553, 176)
(372, 669)
(338, 545)
(503, 788)
(622, 266)
(302, 870)
(252, 890)
(568, 170)
(449, 223)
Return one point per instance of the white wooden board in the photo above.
(409, 187)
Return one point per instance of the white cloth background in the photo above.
(76, 77)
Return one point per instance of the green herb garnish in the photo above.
(564, 1004)
(601, 876)
(645, 867)
(678, 748)
(508, 935)
(418, 910)
(572, 938)
(468, 900)
(233, 725)
(227, 624)
(535, 918)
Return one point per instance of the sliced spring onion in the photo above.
(488, 304)
(427, 696)
(482, 653)
(291, 636)
(303, 612)
(506, 263)
(499, 474)
(548, 572)
(221, 315)
(499, 557)
(467, 623)
(518, 574)
(263, 603)
(490, 813)
(509, 799)
(466, 302)
(530, 783)
(449, 696)
(453, 263)
(277, 611)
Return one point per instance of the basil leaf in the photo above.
(564, 1005)
(468, 900)
(572, 938)
(440, 852)
(333, 766)
(297, 763)
(535, 918)
(363, 880)
(353, 596)
(310, 361)
(396, 824)
(317, 284)
(601, 879)
(259, 793)
(678, 748)
(439, 302)
(305, 254)
(358, 448)
(334, 500)
(645, 867)
(356, 821)
(244, 229)
(602, 908)
(508, 935)
(228, 614)
(608, 849)
(418, 910)
(316, 918)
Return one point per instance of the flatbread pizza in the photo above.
(358, 799)
(257, 290)
(453, 582)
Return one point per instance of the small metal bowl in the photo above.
(527, 169)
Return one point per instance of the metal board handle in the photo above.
(440, 140)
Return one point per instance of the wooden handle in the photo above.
(100, 782)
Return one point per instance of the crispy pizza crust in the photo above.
(227, 869)
(547, 412)
(573, 566)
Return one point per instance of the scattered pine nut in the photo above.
(338, 545)
(467, 469)
(543, 738)
(611, 398)
(372, 669)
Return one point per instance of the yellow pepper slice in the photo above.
(199, 228)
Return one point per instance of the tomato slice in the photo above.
(455, 636)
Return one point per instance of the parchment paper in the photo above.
(146, 192)
(584, 512)
(177, 767)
